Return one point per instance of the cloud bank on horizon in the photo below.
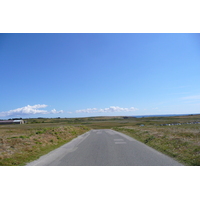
(110, 109)
(36, 109)
(29, 110)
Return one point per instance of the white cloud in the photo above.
(26, 110)
(88, 110)
(110, 109)
(54, 111)
(117, 109)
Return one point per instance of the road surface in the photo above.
(104, 147)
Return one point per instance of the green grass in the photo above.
(182, 146)
(21, 149)
(23, 143)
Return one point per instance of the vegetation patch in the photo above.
(19, 150)
(177, 137)
(181, 144)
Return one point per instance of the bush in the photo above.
(149, 139)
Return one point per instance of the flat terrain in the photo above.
(104, 147)
(177, 137)
(20, 144)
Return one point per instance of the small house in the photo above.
(18, 121)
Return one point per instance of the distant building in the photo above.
(11, 121)
(18, 121)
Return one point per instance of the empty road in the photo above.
(104, 147)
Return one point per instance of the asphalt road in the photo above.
(104, 147)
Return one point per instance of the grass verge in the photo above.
(20, 147)
(180, 143)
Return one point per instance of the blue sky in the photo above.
(79, 75)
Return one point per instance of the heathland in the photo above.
(177, 136)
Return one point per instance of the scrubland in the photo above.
(180, 143)
(20, 144)
(23, 143)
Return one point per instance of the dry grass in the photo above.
(20, 144)
(180, 142)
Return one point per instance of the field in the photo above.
(23, 143)
(178, 137)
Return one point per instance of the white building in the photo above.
(11, 121)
